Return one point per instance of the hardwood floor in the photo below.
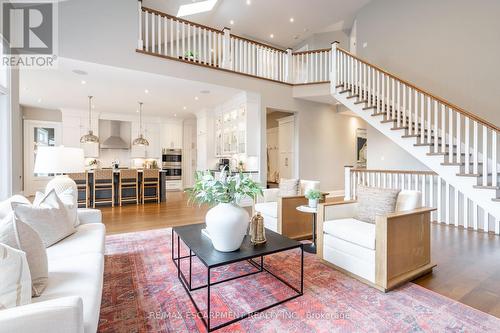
(468, 262)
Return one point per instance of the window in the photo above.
(5, 130)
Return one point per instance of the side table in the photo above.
(311, 248)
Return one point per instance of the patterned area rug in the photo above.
(142, 294)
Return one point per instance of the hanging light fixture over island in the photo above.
(89, 137)
(140, 141)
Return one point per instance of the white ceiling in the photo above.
(117, 90)
(262, 18)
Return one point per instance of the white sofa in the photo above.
(280, 214)
(72, 300)
(393, 250)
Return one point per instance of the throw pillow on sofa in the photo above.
(373, 201)
(21, 236)
(6, 205)
(47, 216)
(289, 187)
(69, 199)
(15, 289)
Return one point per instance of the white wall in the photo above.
(34, 113)
(383, 154)
(324, 40)
(449, 47)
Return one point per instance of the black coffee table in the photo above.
(201, 246)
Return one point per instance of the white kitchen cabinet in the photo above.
(231, 132)
(152, 134)
(73, 128)
(171, 135)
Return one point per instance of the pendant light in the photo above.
(90, 137)
(140, 141)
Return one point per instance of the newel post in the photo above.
(333, 73)
(347, 182)
(289, 66)
(140, 41)
(226, 48)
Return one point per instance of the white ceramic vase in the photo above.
(313, 203)
(227, 225)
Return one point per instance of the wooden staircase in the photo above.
(459, 146)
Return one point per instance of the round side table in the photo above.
(311, 248)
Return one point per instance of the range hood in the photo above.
(114, 134)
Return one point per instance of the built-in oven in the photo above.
(172, 163)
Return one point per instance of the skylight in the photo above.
(196, 8)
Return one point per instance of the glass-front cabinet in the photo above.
(230, 132)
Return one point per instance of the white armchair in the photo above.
(280, 214)
(394, 250)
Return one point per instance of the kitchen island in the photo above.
(116, 181)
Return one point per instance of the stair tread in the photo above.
(352, 96)
(487, 187)
(361, 102)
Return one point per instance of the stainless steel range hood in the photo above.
(115, 134)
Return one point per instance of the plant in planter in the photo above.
(227, 222)
(313, 196)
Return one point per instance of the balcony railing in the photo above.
(167, 36)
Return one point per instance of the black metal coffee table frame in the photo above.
(188, 286)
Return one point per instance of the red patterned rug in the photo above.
(142, 294)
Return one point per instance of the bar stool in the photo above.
(151, 180)
(82, 184)
(103, 181)
(128, 181)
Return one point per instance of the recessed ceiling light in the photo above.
(196, 8)
(271, 35)
(184, 107)
(196, 98)
(84, 82)
(137, 111)
(79, 72)
(231, 22)
(146, 91)
(249, 2)
(39, 100)
(175, 114)
(292, 20)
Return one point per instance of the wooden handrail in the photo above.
(175, 18)
(409, 172)
(311, 51)
(258, 43)
(439, 99)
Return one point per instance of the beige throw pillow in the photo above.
(289, 187)
(15, 286)
(47, 216)
(21, 236)
(373, 201)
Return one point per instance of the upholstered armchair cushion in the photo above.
(289, 187)
(375, 201)
(408, 200)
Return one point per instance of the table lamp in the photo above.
(60, 161)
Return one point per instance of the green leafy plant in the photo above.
(228, 188)
(313, 194)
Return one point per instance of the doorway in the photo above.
(281, 154)
(38, 134)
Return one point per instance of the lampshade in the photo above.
(59, 160)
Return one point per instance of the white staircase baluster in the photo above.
(475, 139)
(436, 127)
(443, 128)
(159, 33)
(431, 196)
(183, 34)
(466, 211)
(423, 185)
(165, 36)
(398, 103)
(146, 29)
(393, 99)
(140, 41)
(494, 159)
(153, 32)
(429, 121)
(486, 225)
(455, 206)
(475, 215)
(459, 137)
(410, 111)
(467, 145)
(450, 135)
(485, 155)
(439, 200)
(447, 203)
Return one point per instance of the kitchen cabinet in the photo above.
(171, 135)
(231, 132)
(73, 128)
